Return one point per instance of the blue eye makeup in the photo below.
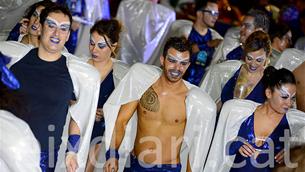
(102, 45)
(52, 25)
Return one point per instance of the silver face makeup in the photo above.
(177, 60)
(63, 27)
(285, 93)
(101, 43)
(36, 14)
(258, 59)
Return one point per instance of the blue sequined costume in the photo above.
(235, 54)
(106, 88)
(257, 94)
(246, 131)
(202, 59)
(139, 166)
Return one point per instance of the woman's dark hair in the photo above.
(30, 10)
(278, 30)
(256, 41)
(110, 28)
(274, 78)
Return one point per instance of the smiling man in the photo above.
(169, 111)
(253, 21)
(48, 81)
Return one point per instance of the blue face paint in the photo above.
(63, 27)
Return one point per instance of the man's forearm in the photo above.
(73, 128)
(188, 167)
(118, 135)
(74, 137)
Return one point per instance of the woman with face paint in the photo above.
(260, 133)
(27, 31)
(254, 137)
(246, 81)
(103, 47)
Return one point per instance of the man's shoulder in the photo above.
(141, 68)
(81, 68)
(215, 34)
(200, 96)
(14, 48)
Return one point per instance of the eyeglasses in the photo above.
(211, 12)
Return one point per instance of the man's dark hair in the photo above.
(201, 4)
(55, 9)
(30, 10)
(278, 30)
(261, 19)
(178, 43)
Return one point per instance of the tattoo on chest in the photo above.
(150, 100)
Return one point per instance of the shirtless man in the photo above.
(161, 111)
(299, 76)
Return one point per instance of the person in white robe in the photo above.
(199, 113)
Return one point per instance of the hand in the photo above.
(24, 26)
(71, 162)
(246, 150)
(214, 43)
(99, 114)
(195, 48)
(75, 25)
(111, 165)
(279, 157)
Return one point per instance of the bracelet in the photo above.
(73, 143)
(112, 153)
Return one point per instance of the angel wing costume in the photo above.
(200, 110)
(233, 114)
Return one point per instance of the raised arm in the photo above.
(112, 156)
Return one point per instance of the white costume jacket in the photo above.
(200, 110)
(146, 28)
(217, 76)
(86, 82)
(234, 113)
(19, 149)
(290, 59)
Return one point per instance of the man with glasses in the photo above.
(204, 40)
(253, 21)
(169, 111)
(48, 82)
